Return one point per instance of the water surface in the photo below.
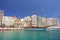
(30, 35)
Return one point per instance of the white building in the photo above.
(27, 19)
(34, 20)
(39, 21)
(44, 21)
(52, 21)
(8, 20)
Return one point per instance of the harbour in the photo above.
(31, 22)
(29, 19)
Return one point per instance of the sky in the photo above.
(22, 8)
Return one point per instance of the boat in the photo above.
(31, 27)
(34, 28)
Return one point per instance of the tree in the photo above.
(3, 25)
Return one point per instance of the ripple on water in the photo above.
(30, 35)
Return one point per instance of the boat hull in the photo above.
(35, 29)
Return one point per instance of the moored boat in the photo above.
(35, 28)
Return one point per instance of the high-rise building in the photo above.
(1, 15)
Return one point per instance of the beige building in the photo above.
(24, 23)
(16, 22)
(20, 23)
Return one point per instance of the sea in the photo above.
(30, 35)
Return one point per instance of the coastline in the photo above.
(53, 28)
(50, 28)
(3, 29)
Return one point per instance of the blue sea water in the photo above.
(30, 35)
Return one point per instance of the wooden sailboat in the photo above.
(31, 27)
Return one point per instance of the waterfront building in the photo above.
(58, 22)
(44, 21)
(34, 21)
(1, 15)
(27, 19)
(39, 21)
(18, 23)
(8, 21)
(24, 23)
(52, 21)
(31, 20)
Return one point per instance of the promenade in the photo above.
(2, 29)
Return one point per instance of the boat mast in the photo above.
(53, 19)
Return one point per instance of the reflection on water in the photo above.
(30, 35)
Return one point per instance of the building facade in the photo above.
(8, 20)
(44, 21)
(34, 21)
(52, 21)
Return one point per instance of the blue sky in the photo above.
(22, 8)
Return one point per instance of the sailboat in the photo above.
(31, 27)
